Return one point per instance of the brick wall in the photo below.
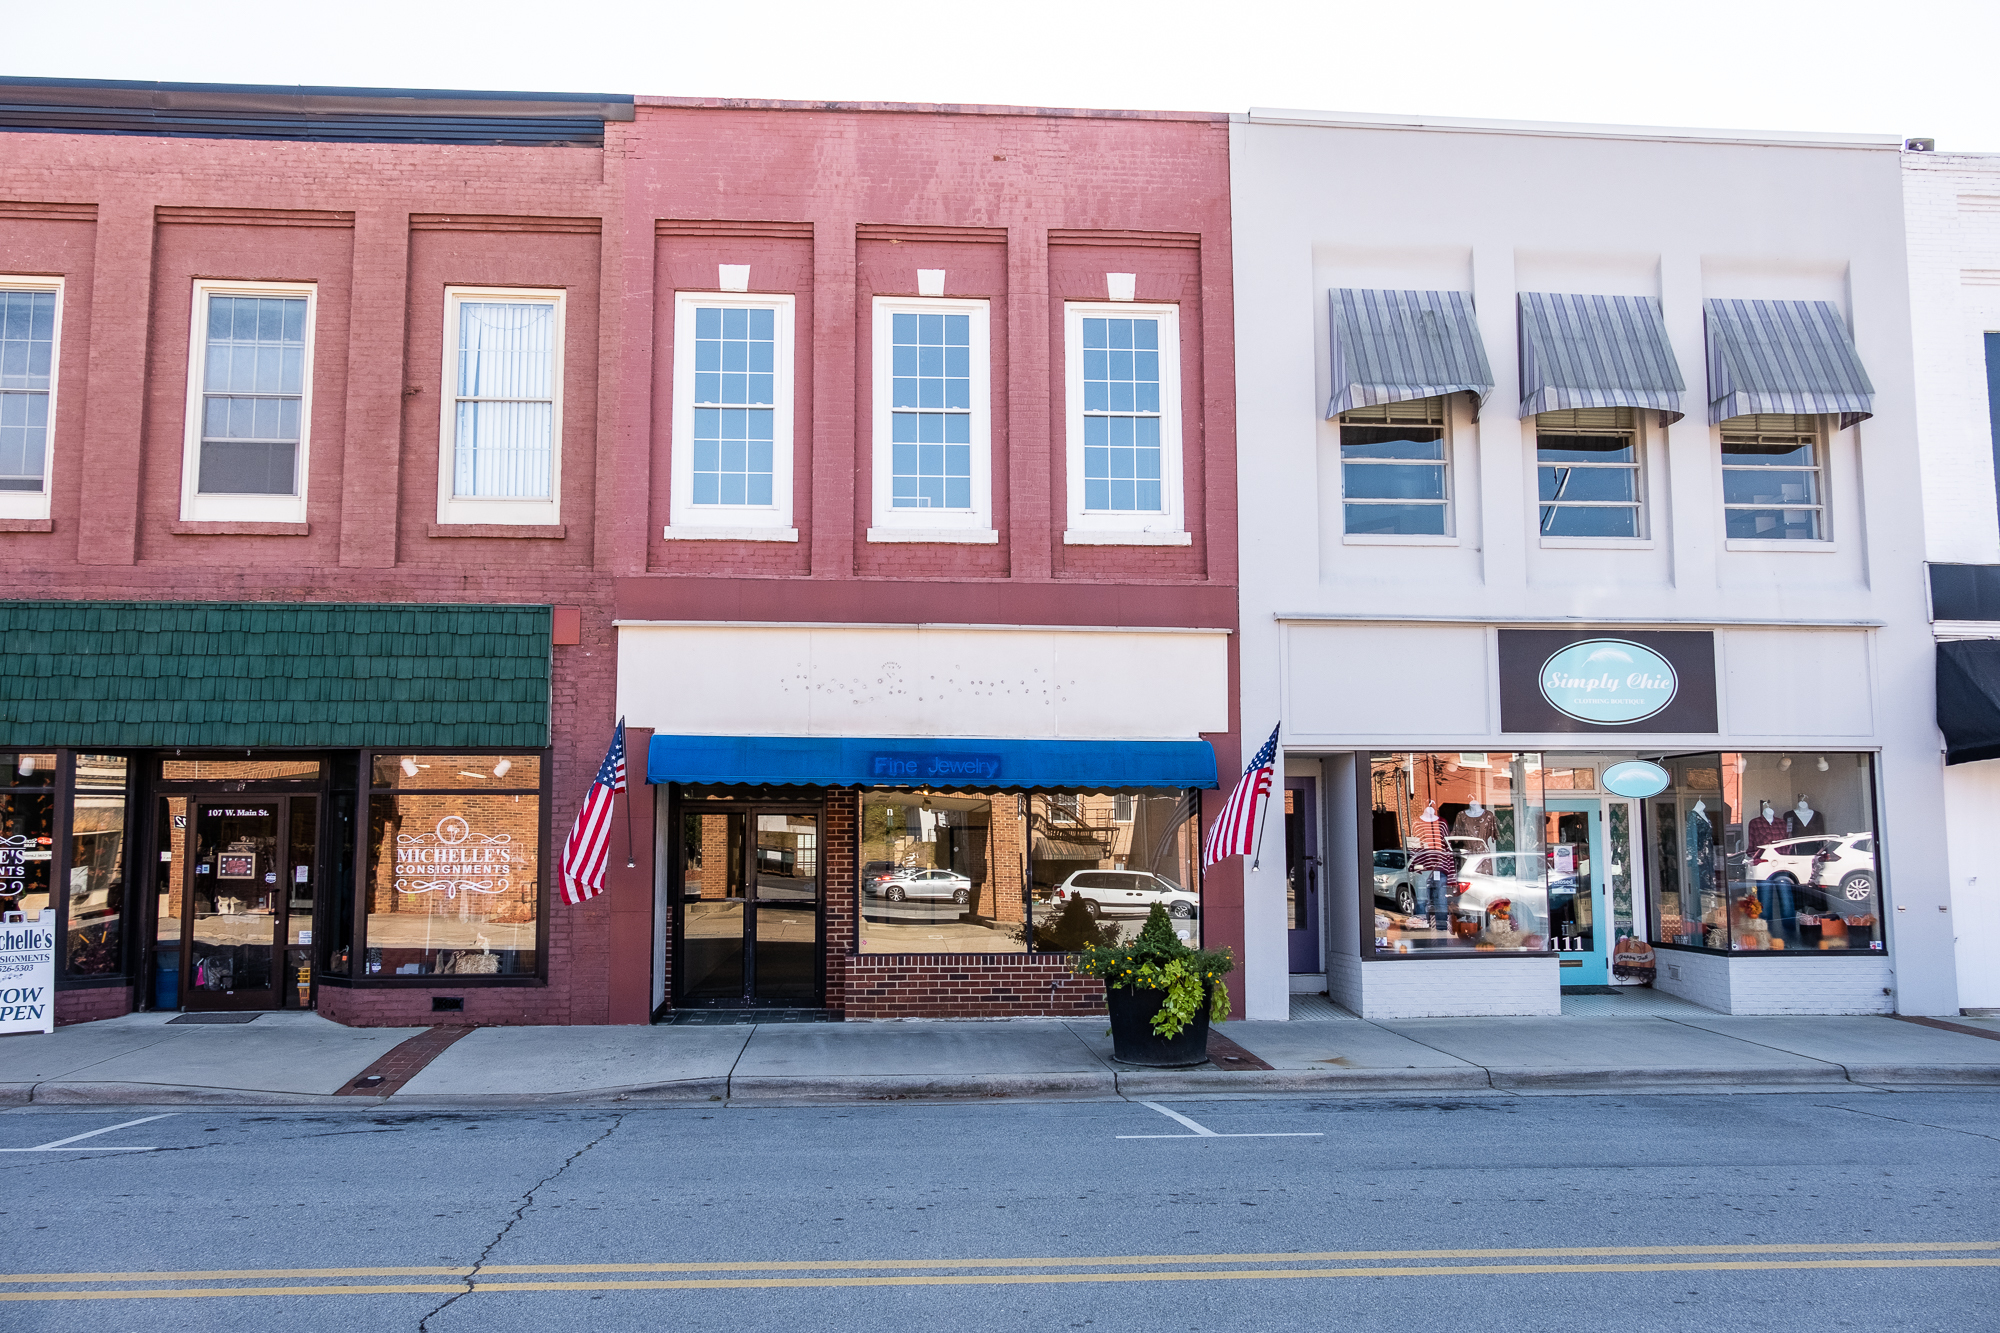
(968, 986)
(90, 1004)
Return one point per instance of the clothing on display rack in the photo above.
(1483, 826)
(1765, 830)
(1803, 822)
(1434, 852)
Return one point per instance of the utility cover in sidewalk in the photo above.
(215, 1018)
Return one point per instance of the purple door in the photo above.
(1301, 875)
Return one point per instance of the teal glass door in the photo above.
(1577, 921)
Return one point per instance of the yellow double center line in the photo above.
(987, 1271)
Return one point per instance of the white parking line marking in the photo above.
(74, 1138)
(1204, 1132)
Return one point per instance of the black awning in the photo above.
(1968, 699)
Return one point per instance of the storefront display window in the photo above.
(1007, 872)
(1767, 852)
(97, 867)
(27, 831)
(453, 885)
(1459, 855)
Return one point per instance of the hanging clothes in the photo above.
(1483, 826)
(1435, 852)
(1700, 843)
(1806, 826)
(1764, 832)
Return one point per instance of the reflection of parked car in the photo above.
(1846, 873)
(1395, 882)
(1125, 893)
(921, 884)
(1515, 876)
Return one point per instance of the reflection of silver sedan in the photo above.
(905, 884)
(1125, 893)
(1512, 877)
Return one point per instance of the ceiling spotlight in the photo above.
(409, 767)
(27, 765)
(1785, 764)
(500, 769)
(1821, 765)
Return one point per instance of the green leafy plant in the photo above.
(1072, 930)
(1157, 960)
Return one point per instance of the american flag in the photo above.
(590, 837)
(1234, 832)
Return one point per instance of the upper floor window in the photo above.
(933, 462)
(1772, 478)
(30, 310)
(1395, 470)
(502, 428)
(1587, 472)
(1124, 455)
(249, 402)
(732, 449)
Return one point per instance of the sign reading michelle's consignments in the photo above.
(1614, 680)
(28, 973)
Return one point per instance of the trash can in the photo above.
(167, 979)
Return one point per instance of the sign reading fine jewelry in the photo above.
(1634, 680)
(28, 973)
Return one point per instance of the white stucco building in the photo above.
(1952, 202)
(1583, 564)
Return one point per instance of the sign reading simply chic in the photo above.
(1634, 680)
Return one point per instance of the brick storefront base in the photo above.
(496, 1006)
(87, 1006)
(968, 986)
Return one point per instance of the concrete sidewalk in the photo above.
(301, 1059)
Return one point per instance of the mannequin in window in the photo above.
(1436, 863)
(1476, 821)
(1703, 874)
(1802, 821)
(1766, 829)
(1779, 903)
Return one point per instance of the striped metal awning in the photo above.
(1393, 347)
(1784, 356)
(1596, 351)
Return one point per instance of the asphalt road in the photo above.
(1767, 1212)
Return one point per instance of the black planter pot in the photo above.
(1133, 1041)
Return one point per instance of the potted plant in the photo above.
(1160, 992)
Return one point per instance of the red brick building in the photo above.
(371, 453)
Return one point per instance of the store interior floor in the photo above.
(1629, 1002)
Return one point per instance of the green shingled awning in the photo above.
(273, 674)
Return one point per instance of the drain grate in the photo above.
(731, 1017)
(216, 1018)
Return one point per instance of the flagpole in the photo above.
(1263, 816)
(630, 862)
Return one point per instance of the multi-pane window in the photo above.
(1587, 472)
(504, 398)
(1394, 472)
(1121, 807)
(252, 395)
(931, 411)
(735, 397)
(1121, 415)
(1772, 488)
(27, 370)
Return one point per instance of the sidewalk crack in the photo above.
(527, 1201)
(1474, 1064)
(1845, 1072)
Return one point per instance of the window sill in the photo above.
(1113, 537)
(545, 531)
(687, 533)
(955, 536)
(184, 528)
(1753, 544)
(1599, 544)
(27, 525)
(1384, 539)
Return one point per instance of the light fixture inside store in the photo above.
(500, 769)
(409, 767)
(1821, 765)
(27, 765)
(1785, 764)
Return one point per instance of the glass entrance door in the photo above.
(1574, 837)
(240, 878)
(749, 909)
(1302, 927)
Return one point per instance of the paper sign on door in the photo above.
(1562, 858)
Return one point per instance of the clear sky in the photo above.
(1914, 67)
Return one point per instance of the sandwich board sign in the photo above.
(28, 972)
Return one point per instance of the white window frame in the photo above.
(199, 508)
(1168, 525)
(686, 520)
(1822, 469)
(1641, 488)
(1447, 416)
(974, 525)
(30, 504)
(477, 509)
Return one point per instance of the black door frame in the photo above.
(748, 802)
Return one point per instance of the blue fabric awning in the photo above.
(1784, 357)
(955, 762)
(1395, 347)
(1596, 351)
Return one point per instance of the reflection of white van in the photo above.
(1125, 893)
